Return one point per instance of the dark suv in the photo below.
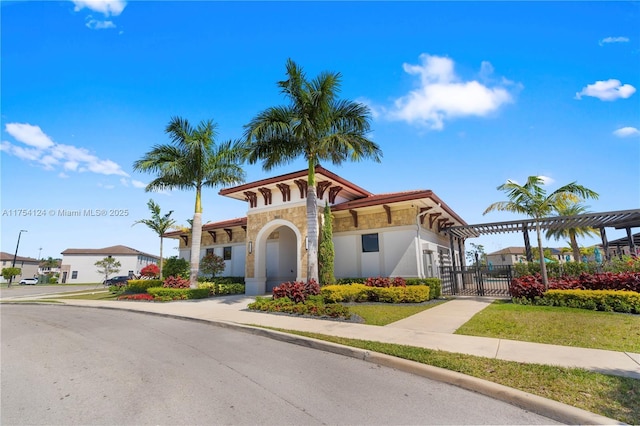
(119, 281)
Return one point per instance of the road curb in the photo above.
(536, 404)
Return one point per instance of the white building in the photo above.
(391, 235)
(78, 265)
(27, 265)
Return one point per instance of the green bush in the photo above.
(229, 288)
(600, 300)
(116, 289)
(434, 284)
(314, 305)
(141, 286)
(165, 293)
(343, 281)
(208, 285)
(362, 293)
(222, 280)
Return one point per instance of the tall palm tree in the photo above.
(316, 126)
(193, 161)
(572, 209)
(532, 200)
(159, 224)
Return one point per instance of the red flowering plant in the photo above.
(297, 290)
(176, 282)
(151, 271)
(140, 296)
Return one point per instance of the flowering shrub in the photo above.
(385, 282)
(531, 286)
(298, 291)
(139, 296)
(314, 305)
(151, 270)
(141, 286)
(176, 282)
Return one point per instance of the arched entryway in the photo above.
(277, 255)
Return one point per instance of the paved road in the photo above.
(20, 291)
(70, 365)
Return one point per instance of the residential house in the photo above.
(78, 265)
(514, 255)
(28, 266)
(396, 234)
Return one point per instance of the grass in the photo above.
(99, 295)
(557, 326)
(383, 314)
(611, 396)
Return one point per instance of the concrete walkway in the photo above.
(431, 329)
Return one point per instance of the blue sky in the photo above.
(464, 95)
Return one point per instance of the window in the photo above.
(74, 275)
(370, 243)
(226, 253)
(208, 252)
(130, 273)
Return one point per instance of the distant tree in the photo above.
(471, 255)
(532, 200)
(193, 161)
(108, 266)
(175, 266)
(9, 273)
(326, 251)
(212, 264)
(158, 223)
(572, 209)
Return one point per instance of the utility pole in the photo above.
(13, 264)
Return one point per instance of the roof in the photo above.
(238, 192)
(509, 250)
(113, 250)
(624, 241)
(616, 219)
(211, 226)
(8, 256)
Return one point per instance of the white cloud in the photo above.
(442, 95)
(138, 184)
(607, 40)
(546, 180)
(105, 186)
(42, 150)
(63, 175)
(124, 181)
(28, 134)
(608, 90)
(106, 7)
(94, 24)
(625, 132)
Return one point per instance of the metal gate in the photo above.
(476, 280)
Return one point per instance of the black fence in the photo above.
(476, 280)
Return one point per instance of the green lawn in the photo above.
(557, 326)
(610, 396)
(97, 295)
(386, 313)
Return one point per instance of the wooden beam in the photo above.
(321, 187)
(266, 194)
(286, 192)
(442, 222)
(302, 186)
(422, 216)
(213, 235)
(388, 210)
(354, 215)
(333, 193)
(185, 238)
(244, 227)
(229, 233)
(252, 197)
(432, 218)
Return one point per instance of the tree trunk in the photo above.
(574, 247)
(543, 265)
(312, 224)
(160, 256)
(196, 238)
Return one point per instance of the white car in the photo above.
(29, 281)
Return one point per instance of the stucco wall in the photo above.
(88, 271)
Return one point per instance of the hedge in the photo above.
(600, 300)
(164, 293)
(531, 286)
(141, 286)
(314, 305)
(220, 289)
(363, 293)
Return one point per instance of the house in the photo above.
(49, 267)
(78, 265)
(514, 255)
(396, 234)
(28, 265)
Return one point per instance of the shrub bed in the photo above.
(298, 291)
(531, 286)
(434, 284)
(363, 293)
(166, 294)
(598, 300)
(141, 286)
(314, 305)
(137, 296)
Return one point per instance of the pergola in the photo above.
(622, 219)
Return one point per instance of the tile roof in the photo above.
(113, 250)
(9, 256)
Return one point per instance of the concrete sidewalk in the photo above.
(431, 329)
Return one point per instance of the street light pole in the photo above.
(13, 264)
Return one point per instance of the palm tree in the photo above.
(316, 126)
(158, 224)
(531, 199)
(193, 161)
(572, 209)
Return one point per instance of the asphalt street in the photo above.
(70, 365)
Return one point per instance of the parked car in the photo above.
(120, 280)
(29, 281)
